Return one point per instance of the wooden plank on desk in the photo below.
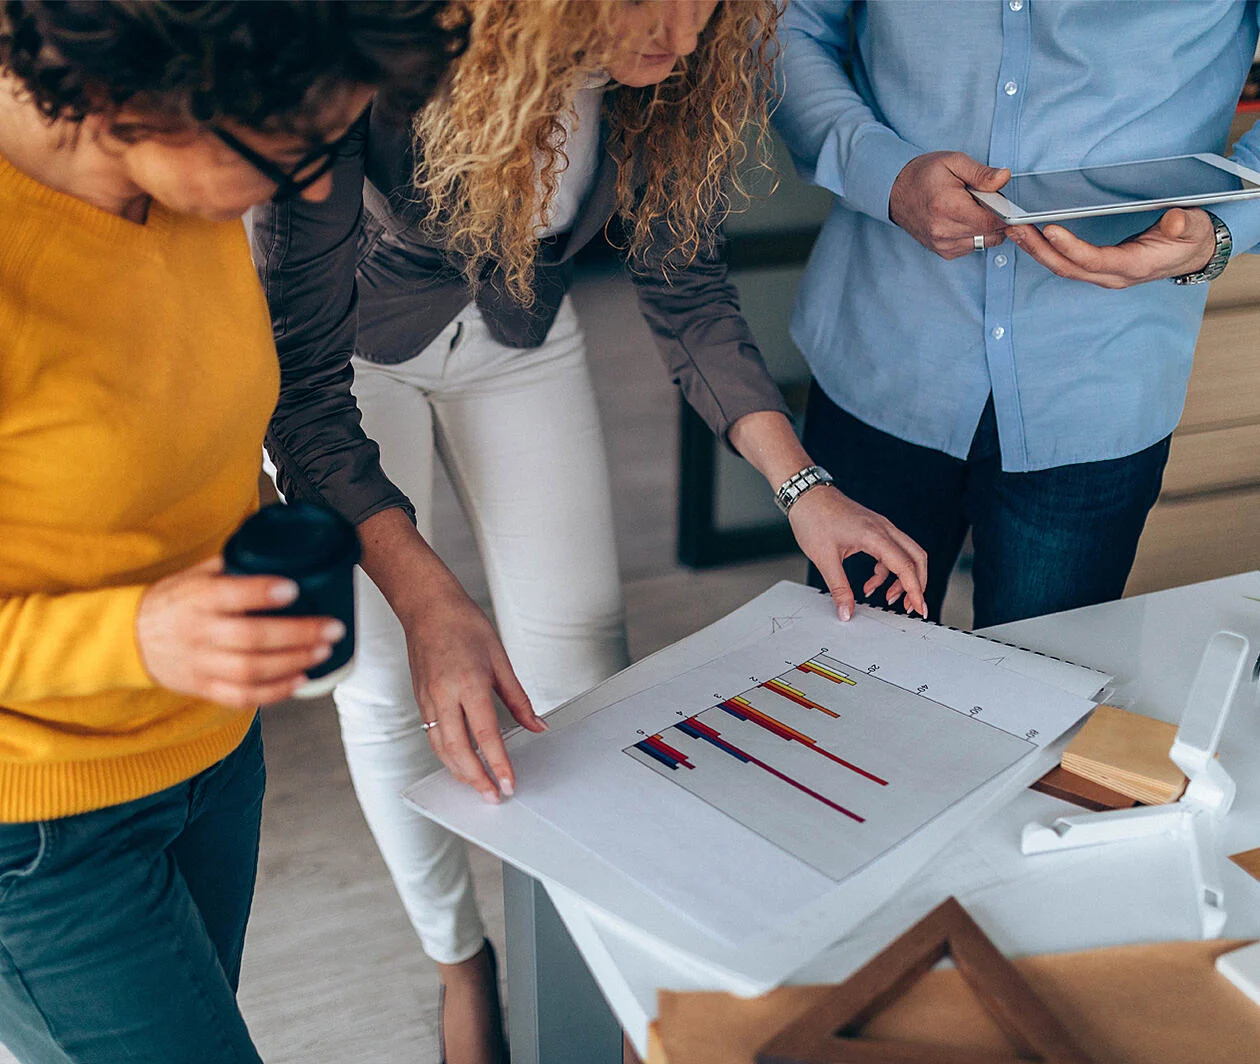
(1148, 1004)
(1069, 787)
(832, 1032)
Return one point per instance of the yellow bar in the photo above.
(830, 674)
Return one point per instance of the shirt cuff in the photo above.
(877, 158)
(1243, 221)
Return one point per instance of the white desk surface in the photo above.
(1128, 892)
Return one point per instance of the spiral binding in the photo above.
(976, 635)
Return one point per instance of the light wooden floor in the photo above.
(333, 973)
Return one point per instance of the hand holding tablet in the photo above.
(1182, 242)
(931, 201)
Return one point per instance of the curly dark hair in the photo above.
(266, 64)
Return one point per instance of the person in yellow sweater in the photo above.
(137, 375)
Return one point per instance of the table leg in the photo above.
(556, 1013)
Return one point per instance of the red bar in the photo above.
(700, 726)
(775, 727)
(657, 743)
(799, 786)
(783, 732)
(706, 730)
(850, 766)
(800, 700)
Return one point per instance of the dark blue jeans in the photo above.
(1045, 541)
(121, 929)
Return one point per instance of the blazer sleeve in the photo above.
(306, 254)
(703, 339)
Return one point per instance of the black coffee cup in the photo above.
(317, 549)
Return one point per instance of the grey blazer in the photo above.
(356, 275)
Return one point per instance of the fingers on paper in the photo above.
(841, 592)
(453, 744)
(513, 694)
(901, 556)
(483, 726)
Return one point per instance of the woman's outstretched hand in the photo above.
(829, 526)
(457, 666)
(457, 662)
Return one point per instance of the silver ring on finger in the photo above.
(977, 242)
(427, 725)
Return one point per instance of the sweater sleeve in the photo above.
(78, 643)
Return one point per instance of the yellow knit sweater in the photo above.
(137, 374)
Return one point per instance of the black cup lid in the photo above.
(293, 539)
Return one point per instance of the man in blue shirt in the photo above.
(1017, 383)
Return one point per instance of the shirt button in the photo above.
(999, 261)
(1010, 88)
(1017, 5)
(998, 332)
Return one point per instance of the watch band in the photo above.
(798, 484)
(1220, 257)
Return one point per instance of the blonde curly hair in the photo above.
(494, 139)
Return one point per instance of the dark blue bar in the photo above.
(668, 762)
(695, 733)
(728, 748)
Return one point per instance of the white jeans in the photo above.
(519, 435)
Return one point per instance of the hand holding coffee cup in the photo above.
(317, 549)
(211, 635)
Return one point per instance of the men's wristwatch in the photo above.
(1220, 257)
(798, 484)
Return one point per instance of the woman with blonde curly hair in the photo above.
(440, 263)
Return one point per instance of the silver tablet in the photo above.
(1179, 181)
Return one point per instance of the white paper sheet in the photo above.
(1065, 675)
(514, 833)
(745, 789)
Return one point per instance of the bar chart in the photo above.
(816, 757)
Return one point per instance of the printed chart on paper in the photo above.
(749, 787)
(828, 762)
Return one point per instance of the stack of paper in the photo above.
(634, 815)
(1129, 754)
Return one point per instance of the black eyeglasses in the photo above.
(290, 182)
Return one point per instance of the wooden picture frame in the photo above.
(830, 1033)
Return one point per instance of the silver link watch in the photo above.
(798, 484)
(1220, 257)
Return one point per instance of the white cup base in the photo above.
(323, 684)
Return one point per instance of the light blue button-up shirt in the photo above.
(913, 344)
